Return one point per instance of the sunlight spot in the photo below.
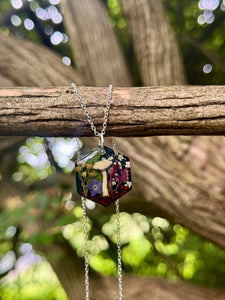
(17, 3)
(15, 20)
(52, 10)
(160, 222)
(69, 205)
(65, 38)
(201, 19)
(208, 4)
(66, 60)
(17, 176)
(11, 231)
(78, 212)
(7, 262)
(48, 30)
(26, 248)
(34, 6)
(28, 24)
(210, 19)
(57, 18)
(41, 13)
(208, 13)
(56, 38)
(90, 204)
(54, 2)
(207, 68)
(32, 160)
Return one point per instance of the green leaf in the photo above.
(41, 238)
(67, 219)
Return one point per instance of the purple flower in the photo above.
(95, 187)
(124, 175)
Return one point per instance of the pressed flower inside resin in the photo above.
(103, 178)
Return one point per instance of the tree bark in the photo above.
(26, 63)
(156, 49)
(96, 51)
(195, 110)
(157, 52)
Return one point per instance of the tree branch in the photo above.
(146, 111)
(97, 53)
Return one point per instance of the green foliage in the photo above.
(37, 283)
(200, 43)
(33, 163)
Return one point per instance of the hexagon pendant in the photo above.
(103, 176)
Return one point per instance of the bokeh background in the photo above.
(41, 233)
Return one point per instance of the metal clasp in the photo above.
(101, 143)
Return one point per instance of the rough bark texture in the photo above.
(198, 110)
(157, 52)
(24, 63)
(96, 51)
(155, 46)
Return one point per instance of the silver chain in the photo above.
(83, 200)
(86, 263)
(119, 258)
(89, 118)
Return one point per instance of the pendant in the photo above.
(103, 176)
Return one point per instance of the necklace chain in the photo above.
(89, 118)
(86, 262)
(119, 259)
(83, 200)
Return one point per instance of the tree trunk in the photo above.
(135, 111)
(24, 63)
(155, 46)
(97, 53)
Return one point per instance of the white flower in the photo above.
(113, 182)
(129, 184)
(110, 158)
(120, 157)
(127, 165)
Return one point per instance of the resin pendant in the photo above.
(103, 176)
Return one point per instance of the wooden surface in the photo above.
(142, 111)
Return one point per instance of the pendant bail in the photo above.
(101, 143)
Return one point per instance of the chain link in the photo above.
(86, 263)
(89, 118)
(119, 258)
